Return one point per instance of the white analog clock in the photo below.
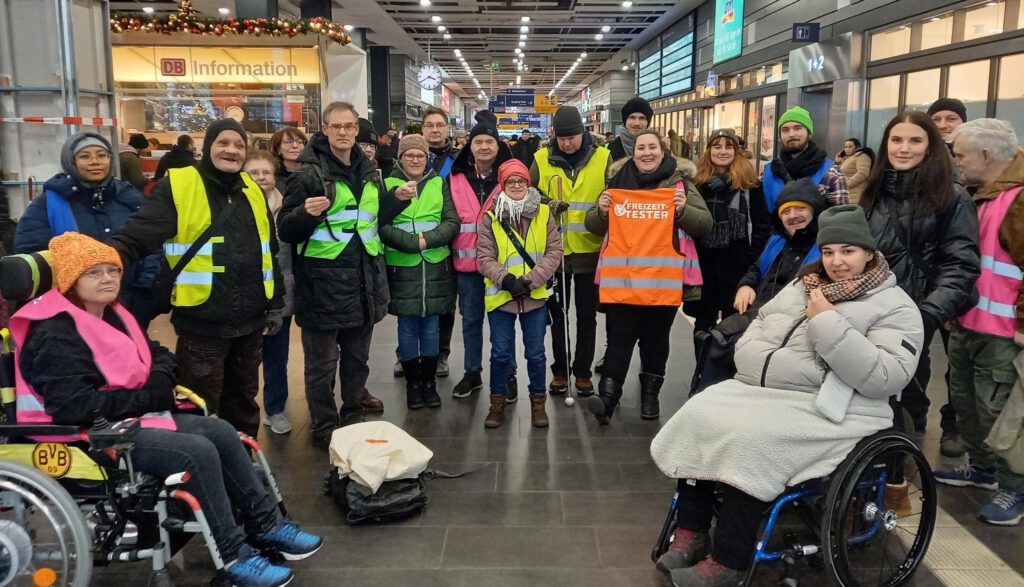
(429, 76)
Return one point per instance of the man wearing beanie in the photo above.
(571, 171)
(130, 160)
(637, 115)
(799, 157)
(229, 293)
(947, 114)
(331, 211)
(474, 184)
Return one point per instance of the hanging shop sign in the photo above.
(221, 65)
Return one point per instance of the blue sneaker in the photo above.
(252, 570)
(1005, 509)
(293, 543)
(968, 476)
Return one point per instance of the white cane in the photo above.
(560, 220)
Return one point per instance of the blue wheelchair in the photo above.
(852, 530)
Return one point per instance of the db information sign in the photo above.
(172, 67)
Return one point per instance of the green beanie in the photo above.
(845, 225)
(798, 115)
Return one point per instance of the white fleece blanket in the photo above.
(756, 439)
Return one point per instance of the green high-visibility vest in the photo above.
(535, 244)
(422, 214)
(195, 282)
(346, 219)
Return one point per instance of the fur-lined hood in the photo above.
(685, 167)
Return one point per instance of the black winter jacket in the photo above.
(176, 158)
(351, 290)
(727, 265)
(935, 256)
(238, 304)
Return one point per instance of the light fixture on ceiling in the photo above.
(435, 18)
(583, 54)
(525, 19)
(224, 11)
(633, 64)
(148, 10)
(458, 53)
(518, 51)
(625, 68)
(349, 28)
(519, 79)
(447, 37)
(441, 29)
(424, 2)
(606, 29)
(598, 37)
(524, 29)
(522, 43)
(627, 4)
(522, 37)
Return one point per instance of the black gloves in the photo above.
(558, 206)
(519, 287)
(274, 322)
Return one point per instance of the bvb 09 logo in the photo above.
(52, 458)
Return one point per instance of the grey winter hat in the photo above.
(76, 143)
(845, 225)
(567, 122)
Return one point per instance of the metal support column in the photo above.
(380, 87)
(69, 79)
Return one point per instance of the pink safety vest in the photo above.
(123, 359)
(470, 214)
(999, 284)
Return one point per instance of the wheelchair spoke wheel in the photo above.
(870, 539)
(43, 536)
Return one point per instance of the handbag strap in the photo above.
(512, 236)
(207, 234)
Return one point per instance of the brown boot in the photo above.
(896, 499)
(370, 404)
(496, 415)
(537, 414)
(584, 386)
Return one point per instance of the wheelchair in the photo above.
(66, 507)
(851, 531)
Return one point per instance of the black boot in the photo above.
(604, 403)
(413, 385)
(428, 381)
(650, 387)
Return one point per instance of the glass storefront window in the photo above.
(753, 113)
(1010, 100)
(767, 143)
(984, 20)
(969, 82)
(883, 104)
(937, 31)
(730, 115)
(890, 43)
(922, 89)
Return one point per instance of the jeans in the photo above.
(586, 325)
(738, 520)
(981, 378)
(628, 325)
(223, 478)
(534, 325)
(418, 336)
(326, 353)
(275, 369)
(471, 307)
(226, 373)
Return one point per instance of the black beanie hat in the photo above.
(635, 105)
(486, 124)
(951, 104)
(366, 132)
(567, 122)
(845, 225)
(218, 126)
(138, 141)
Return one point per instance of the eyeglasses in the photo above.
(515, 183)
(97, 273)
(290, 142)
(435, 125)
(101, 157)
(343, 127)
(412, 157)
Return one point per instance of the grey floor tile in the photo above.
(522, 547)
(647, 477)
(379, 577)
(615, 508)
(627, 546)
(587, 577)
(538, 508)
(377, 547)
(560, 477)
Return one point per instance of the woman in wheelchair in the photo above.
(815, 371)
(82, 357)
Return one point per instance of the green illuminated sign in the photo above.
(728, 29)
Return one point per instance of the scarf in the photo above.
(512, 211)
(631, 178)
(804, 164)
(628, 141)
(730, 210)
(574, 159)
(852, 288)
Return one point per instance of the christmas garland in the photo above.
(186, 21)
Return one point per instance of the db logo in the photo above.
(620, 209)
(172, 67)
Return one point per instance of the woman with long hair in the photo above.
(288, 144)
(728, 182)
(927, 228)
(855, 161)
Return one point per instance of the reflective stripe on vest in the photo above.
(123, 359)
(195, 283)
(580, 196)
(639, 263)
(1000, 279)
(346, 217)
(470, 213)
(422, 214)
(535, 243)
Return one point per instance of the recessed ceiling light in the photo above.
(522, 37)
(424, 2)
(583, 54)
(518, 50)
(458, 53)
(606, 29)
(627, 4)
(447, 37)
(349, 28)
(633, 64)
(598, 37)
(224, 11)
(441, 29)
(148, 10)
(435, 18)
(522, 43)
(625, 68)
(525, 19)
(524, 29)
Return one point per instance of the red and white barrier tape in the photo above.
(78, 120)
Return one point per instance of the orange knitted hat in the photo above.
(74, 254)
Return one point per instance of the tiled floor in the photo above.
(573, 505)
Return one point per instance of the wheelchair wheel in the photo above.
(43, 536)
(865, 540)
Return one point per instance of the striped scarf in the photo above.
(852, 288)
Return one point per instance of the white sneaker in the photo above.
(278, 423)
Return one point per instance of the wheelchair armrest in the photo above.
(10, 430)
(113, 434)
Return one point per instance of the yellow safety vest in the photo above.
(535, 244)
(345, 219)
(195, 282)
(422, 214)
(580, 196)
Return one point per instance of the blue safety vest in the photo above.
(772, 185)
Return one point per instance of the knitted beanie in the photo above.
(74, 254)
(567, 122)
(635, 105)
(798, 115)
(845, 225)
(951, 104)
(409, 142)
(510, 168)
(801, 192)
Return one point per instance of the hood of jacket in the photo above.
(464, 161)
(685, 169)
(1011, 177)
(73, 188)
(318, 154)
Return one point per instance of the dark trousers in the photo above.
(223, 478)
(739, 518)
(648, 326)
(326, 353)
(226, 373)
(447, 325)
(705, 311)
(915, 395)
(275, 369)
(586, 325)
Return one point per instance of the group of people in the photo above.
(831, 306)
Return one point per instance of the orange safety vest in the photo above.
(640, 264)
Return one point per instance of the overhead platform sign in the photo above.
(518, 100)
